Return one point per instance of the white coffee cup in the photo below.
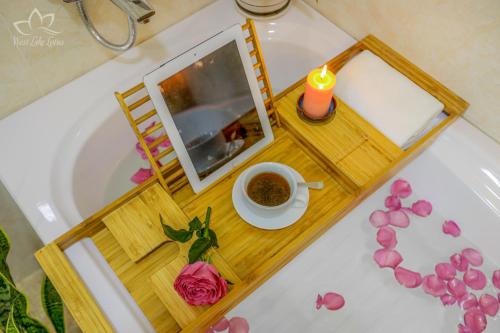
(279, 169)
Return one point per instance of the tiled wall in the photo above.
(456, 41)
(29, 72)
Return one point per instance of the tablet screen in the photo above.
(213, 109)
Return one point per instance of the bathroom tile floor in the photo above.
(23, 265)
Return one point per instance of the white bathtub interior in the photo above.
(104, 165)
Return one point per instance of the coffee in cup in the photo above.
(268, 189)
(270, 186)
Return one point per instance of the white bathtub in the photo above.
(79, 154)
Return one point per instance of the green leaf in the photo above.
(200, 232)
(199, 247)
(207, 222)
(195, 224)
(207, 216)
(4, 251)
(11, 323)
(213, 238)
(181, 235)
(53, 305)
(10, 297)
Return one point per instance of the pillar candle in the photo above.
(319, 92)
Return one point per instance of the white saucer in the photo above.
(265, 219)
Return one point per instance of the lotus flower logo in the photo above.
(36, 22)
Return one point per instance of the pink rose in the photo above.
(200, 284)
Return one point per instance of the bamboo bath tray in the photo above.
(348, 154)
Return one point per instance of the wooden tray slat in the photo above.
(365, 163)
(135, 226)
(245, 247)
(146, 116)
(340, 138)
(135, 276)
(86, 313)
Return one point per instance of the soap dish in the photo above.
(327, 118)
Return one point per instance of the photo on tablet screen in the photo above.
(213, 109)
(211, 105)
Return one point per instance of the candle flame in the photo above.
(323, 72)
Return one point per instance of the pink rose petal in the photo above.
(489, 305)
(475, 279)
(447, 299)
(149, 140)
(386, 236)
(210, 330)
(459, 262)
(469, 302)
(200, 284)
(319, 302)
(141, 175)
(138, 149)
(422, 208)
(463, 329)
(496, 278)
(398, 218)
(379, 218)
(451, 228)
(473, 256)
(387, 258)
(221, 325)
(457, 288)
(238, 325)
(407, 278)
(165, 143)
(433, 285)
(392, 202)
(475, 320)
(401, 188)
(151, 125)
(445, 271)
(331, 301)
(406, 210)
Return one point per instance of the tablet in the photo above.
(210, 104)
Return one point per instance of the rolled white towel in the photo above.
(386, 98)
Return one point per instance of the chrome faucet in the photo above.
(138, 11)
